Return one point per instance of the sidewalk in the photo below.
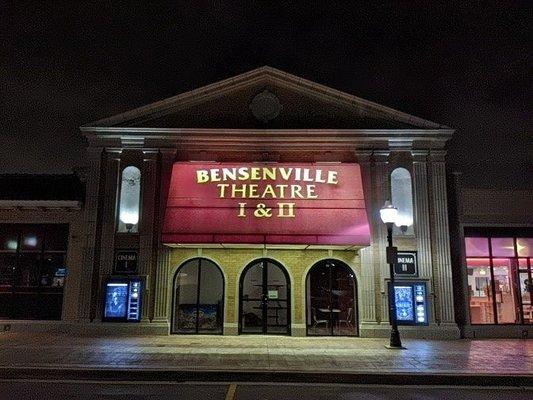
(265, 356)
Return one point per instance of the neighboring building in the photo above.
(492, 238)
(40, 235)
(247, 206)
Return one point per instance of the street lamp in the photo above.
(389, 216)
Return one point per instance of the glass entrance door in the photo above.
(331, 294)
(264, 299)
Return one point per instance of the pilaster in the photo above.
(421, 211)
(161, 296)
(441, 240)
(146, 231)
(108, 231)
(161, 286)
(94, 155)
(381, 192)
(368, 290)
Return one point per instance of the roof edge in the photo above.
(265, 72)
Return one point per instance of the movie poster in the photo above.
(116, 300)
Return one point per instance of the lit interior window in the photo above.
(402, 198)
(130, 196)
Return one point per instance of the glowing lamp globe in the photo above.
(388, 213)
(129, 218)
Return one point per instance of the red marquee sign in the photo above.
(266, 203)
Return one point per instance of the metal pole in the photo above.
(395, 341)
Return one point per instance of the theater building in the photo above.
(249, 206)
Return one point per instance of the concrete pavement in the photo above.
(266, 358)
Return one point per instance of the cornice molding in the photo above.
(40, 205)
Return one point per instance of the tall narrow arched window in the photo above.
(130, 199)
(402, 199)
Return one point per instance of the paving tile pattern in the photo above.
(267, 353)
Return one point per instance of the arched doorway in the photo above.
(331, 292)
(264, 298)
(198, 298)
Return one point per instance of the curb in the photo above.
(154, 375)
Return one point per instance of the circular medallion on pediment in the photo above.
(265, 106)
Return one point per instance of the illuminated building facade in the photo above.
(251, 206)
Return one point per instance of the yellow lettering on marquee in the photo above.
(269, 173)
(202, 176)
(252, 192)
(332, 177)
(272, 191)
(282, 190)
(285, 173)
(269, 190)
(222, 191)
(254, 174)
(242, 191)
(296, 191)
(242, 210)
(286, 210)
(311, 192)
(229, 174)
(318, 177)
(244, 175)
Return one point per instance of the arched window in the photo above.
(198, 298)
(402, 199)
(331, 292)
(130, 199)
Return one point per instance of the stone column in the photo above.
(90, 219)
(422, 222)
(161, 286)
(441, 240)
(381, 187)
(367, 308)
(146, 231)
(161, 313)
(109, 218)
(421, 210)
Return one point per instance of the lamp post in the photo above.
(389, 216)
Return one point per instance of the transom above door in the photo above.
(264, 306)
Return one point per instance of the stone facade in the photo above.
(329, 126)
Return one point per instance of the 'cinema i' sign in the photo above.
(266, 203)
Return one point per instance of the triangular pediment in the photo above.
(266, 98)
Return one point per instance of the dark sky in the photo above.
(64, 64)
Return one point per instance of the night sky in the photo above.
(68, 63)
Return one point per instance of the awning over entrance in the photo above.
(267, 203)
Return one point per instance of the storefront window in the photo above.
(331, 293)
(32, 271)
(477, 247)
(526, 288)
(524, 247)
(402, 198)
(502, 247)
(480, 289)
(198, 298)
(130, 198)
(506, 299)
(499, 283)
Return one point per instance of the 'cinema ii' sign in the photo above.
(280, 186)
